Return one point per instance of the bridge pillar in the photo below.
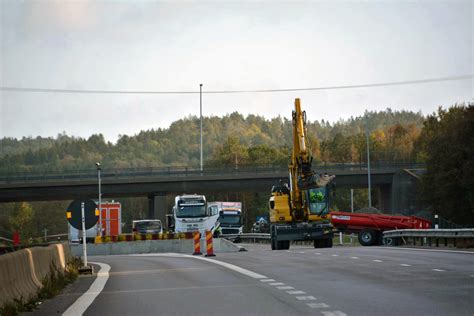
(157, 207)
(385, 198)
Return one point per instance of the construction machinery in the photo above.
(299, 210)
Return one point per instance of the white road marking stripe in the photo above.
(354, 257)
(286, 287)
(335, 255)
(377, 260)
(86, 299)
(405, 265)
(301, 252)
(334, 313)
(295, 292)
(472, 275)
(438, 270)
(432, 250)
(267, 280)
(317, 253)
(317, 305)
(231, 267)
(276, 283)
(305, 298)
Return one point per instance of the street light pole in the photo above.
(200, 114)
(368, 161)
(100, 199)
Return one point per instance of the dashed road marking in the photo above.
(377, 260)
(335, 255)
(267, 280)
(317, 305)
(354, 257)
(301, 252)
(438, 270)
(295, 292)
(305, 298)
(276, 283)
(334, 313)
(405, 265)
(472, 275)
(317, 253)
(286, 287)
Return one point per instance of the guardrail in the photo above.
(188, 171)
(461, 238)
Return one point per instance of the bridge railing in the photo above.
(185, 171)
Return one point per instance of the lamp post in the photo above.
(200, 114)
(97, 164)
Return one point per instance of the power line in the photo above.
(368, 85)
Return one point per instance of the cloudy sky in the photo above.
(174, 46)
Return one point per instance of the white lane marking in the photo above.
(221, 263)
(295, 292)
(334, 313)
(301, 252)
(405, 265)
(305, 298)
(335, 255)
(354, 257)
(231, 267)
(317, 305)
(317, 253)
(438, 270)
(472, 275)
(276, 283)
(286, 287)
(377, 260)
(429, 250)
(86, 299)
(267, 280)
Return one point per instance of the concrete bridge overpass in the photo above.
(157, 183)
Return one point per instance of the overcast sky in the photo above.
(174, 46)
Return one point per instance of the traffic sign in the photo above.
(74, 217)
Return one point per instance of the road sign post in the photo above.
(84, 234)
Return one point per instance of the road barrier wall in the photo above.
(22, 271)
(152, 246)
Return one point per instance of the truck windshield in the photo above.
(318, 202)
(230, 219)
(191, 211)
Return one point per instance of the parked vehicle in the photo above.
(147, 226)
(192, 213)
(370, 227)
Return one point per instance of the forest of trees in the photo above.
(442, 140)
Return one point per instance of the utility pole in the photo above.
(200, 112)
(368, 160)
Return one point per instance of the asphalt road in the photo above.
(330, 282)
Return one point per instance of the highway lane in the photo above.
(330, 282)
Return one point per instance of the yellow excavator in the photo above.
(299, 210)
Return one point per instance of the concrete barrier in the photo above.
(22, 271)
(152, 246)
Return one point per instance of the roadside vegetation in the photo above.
(442, 140)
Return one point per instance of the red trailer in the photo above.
(369, 227)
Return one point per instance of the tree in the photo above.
(446, 143)
(22, 219)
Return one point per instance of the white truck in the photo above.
(230, 217)
(191, 213)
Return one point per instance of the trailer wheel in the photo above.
(368, 237)
(388, 241)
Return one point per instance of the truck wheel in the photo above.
(328, 243)
(319, 243)
(368, 237)
(388, 241)
(273, 241)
